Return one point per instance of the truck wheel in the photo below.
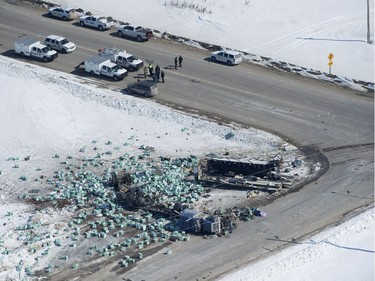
(82, 23)
(50, 15)
(139, 39)
(64, 51)
(92, 73)
(100, 28)
(229, 62)
(64, 18)
(22, 54)
(119, 33)
(115, 77)
(45, 59)
(213, 59)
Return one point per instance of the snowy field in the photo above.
(343, 253)
(301, 33)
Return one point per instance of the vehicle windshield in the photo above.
(115, 68)
(237, 56)
(45, 50)
(101, 18)
(131, 59)
(63, 42)
(138, 28)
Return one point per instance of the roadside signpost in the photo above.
(330, 62)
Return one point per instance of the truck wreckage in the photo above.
(212, 172)
(251, 175)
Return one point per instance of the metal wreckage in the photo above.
(211, 173)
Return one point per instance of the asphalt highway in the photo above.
(331, 124)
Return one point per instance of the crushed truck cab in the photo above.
(31, 47)
(103, 66)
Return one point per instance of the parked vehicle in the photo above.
(31, 47)
(146, 88)
(122, 58)
(62, 13)
(98, 22)
(228, 57)
(103, 66)
(59, 43)
(138, 33)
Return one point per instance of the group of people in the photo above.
(157, 73)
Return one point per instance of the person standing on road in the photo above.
(175, 62)
(157, 72)
(162, 76)
(180, 59)
(145, 72)
(151, 69)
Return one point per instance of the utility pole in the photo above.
(368, 22)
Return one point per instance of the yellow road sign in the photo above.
(330, 56)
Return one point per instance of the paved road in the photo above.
(331, 124)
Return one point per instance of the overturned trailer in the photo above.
(262, 175)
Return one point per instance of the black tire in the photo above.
(64, 51)
(115, 77)
(229, 62)
(213, 59)
(120, 34)
(64, 18)
(81, 23)
(139, 38)
(50, 15)
(22, 54)
(45, 59)
(92, 72)
(100, 28)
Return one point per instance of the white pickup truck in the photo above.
(101, 23)
(138, 33)
(103, 66)
(31, 47)
(122, 58)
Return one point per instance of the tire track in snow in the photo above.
(300, 41)
(309, 29)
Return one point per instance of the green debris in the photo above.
(24, 178)
(13, 159)
(65, 258)
(75, 266)
(48, 269)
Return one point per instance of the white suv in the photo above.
(59, 43)
(228, 57)
(62, 13)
